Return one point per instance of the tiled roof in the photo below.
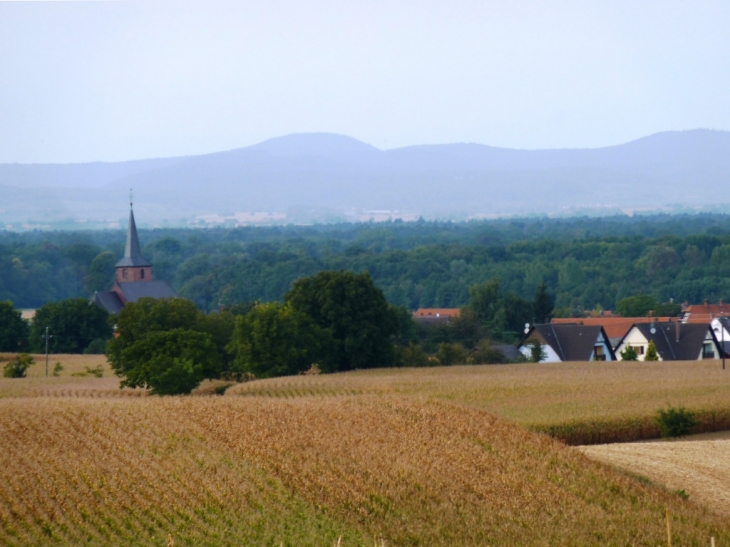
(676, 341)
(109, 300)
(570, 342)
(615, 327)
(704, 313)
(437, 312)
(134, 290)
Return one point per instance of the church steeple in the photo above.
(133, 266)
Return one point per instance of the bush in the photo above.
(675, 422)
(412, 355)
(629, 354)
(18, 366)
(537, 351)
(57, 368)
(451, 354)
(96, 347)
(486, 354)
(651, 353)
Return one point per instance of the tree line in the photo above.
(586, 263)
(329, 322)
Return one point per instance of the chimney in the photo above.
(676, 330)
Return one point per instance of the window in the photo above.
(124, 273)
(598, 353)
(141, 273)
(708, 352)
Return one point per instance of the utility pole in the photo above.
(47, 337)
(722, 337)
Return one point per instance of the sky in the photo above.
(116, 80)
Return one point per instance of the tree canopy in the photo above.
(13, 329)
(73, 324)
(161, 344)
(354, 312)
(276, 340)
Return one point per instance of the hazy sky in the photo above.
(83, 81)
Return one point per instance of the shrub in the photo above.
(537, 351)
(486, 354)
(57, 368)
(651, 353)
(451, 354)
(675, 422)
(412, 355)
(629, 354)
(96, 347)
(18, 366)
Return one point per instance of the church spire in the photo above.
(133, 266)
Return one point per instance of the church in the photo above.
(133, 277)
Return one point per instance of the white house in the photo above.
(674, 341)
(569, 343)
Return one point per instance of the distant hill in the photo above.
(320, 176)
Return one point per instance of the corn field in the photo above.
(310, 471)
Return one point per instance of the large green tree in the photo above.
(73, 324)
(162, 344)
(276, 340)
(355, 313)
(168, 362)
(13, 329)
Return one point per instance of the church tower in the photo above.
(133, 277)
(132, 266)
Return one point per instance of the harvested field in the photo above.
(256, 471)
(700, 465)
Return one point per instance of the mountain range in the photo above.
(323, 177)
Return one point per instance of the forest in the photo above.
(586, 263)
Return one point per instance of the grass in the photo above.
(237, 471)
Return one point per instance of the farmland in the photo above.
(415, 457)
(698, 465)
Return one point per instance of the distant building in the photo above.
(569, 343)
(673, 341)
(435, 316)
(133, 278)
(615, 327)
(705, 312)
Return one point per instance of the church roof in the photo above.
(132, 255)
(134, 290)
(109, 300)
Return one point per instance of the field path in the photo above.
(699, 465)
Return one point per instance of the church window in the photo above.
(141, 273)
(124, 274)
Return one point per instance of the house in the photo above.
(435, 316)
(133, 277)
(569, 343)
(721, 327)
(616, 327)
(674, 341)
(705, 312)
